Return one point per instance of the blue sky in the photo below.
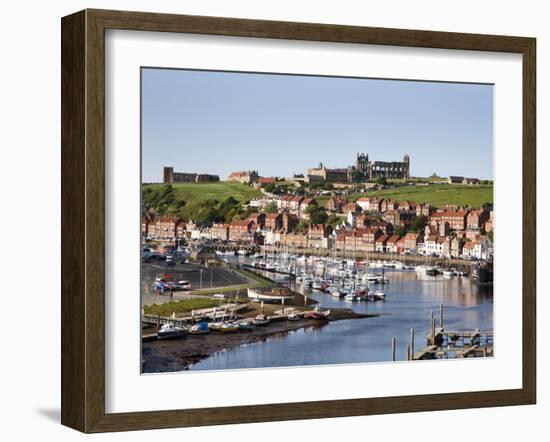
(219, 122)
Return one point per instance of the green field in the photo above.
(195, 193)
(436, 194)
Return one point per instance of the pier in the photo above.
(448, 344)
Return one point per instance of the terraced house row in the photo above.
(367, 225)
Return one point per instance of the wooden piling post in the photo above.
(393, 349)
(433, 328)
(411, 341)
(409, 357)
(441, 316)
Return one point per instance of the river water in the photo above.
(410, 299)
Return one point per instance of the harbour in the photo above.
(380, 334)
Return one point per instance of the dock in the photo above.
(448, 344)
(214, 313)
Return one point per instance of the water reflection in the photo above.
(410, 299)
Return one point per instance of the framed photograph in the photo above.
(266, 221)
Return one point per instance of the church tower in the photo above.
(406, 166)
(361, 163)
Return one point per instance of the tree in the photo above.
(382, 181)
(271, 207)
(302, 227)
(334, 220)
(317, 215)
(356, 176)
(419, 223)
(400, 231)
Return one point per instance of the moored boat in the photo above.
(317, 314)
(262, 319)
(200, 328)
(170, 331)
(293, 317)
(228, 327)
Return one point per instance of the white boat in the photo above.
(317, 285)
(262, 320)
(293, 317)
(258, 295)
(170, 331)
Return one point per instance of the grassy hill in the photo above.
(194, 194)
(437, 194)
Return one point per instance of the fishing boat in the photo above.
(200, 328)
(170, 331)
(262, 319)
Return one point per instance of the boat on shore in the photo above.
(317, 314)
(200, 328)
(262, 319)
(171, 331)
(293, 317)
(270, 294)
(246, 324)
(229, 327)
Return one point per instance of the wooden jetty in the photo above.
(446, 344)
(214, 313)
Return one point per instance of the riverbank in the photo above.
(176, 355)
(371, 256)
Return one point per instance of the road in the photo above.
(211, 277)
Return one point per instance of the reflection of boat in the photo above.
(262, 319)
(431, 271)
(170, 331)
(200, 328)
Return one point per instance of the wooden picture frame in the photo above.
(83, 218)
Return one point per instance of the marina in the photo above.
(392, 298)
